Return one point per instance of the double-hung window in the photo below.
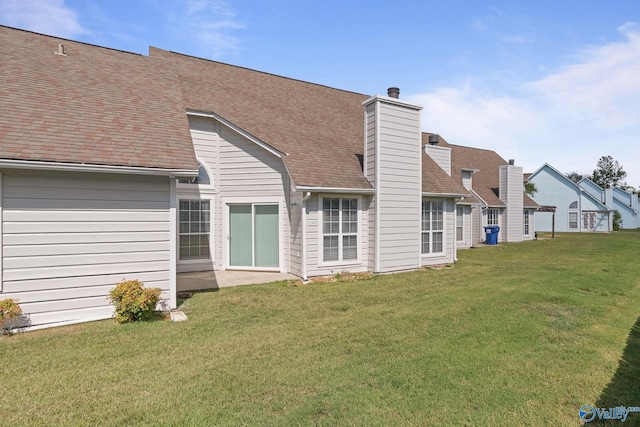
(339, 229)
(573, 215)
(432, 239)
(194, 229)
(459, 223)
(492, 217)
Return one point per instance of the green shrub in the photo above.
(133, 302)
(617, 221)
(9, 310)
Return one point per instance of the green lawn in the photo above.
(518, 334)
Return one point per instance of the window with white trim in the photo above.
(526, 221)
(459, 223)
(432, 235)
(492, 217)
(194, 229)
(573, 215)
(573, 220)
(339, 229)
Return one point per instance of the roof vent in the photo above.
(393, 92)
(434, 139)
(60, 50)
(512, 162)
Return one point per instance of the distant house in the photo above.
(576, 208)
(616, 199)
(121, 166)
(497, 193)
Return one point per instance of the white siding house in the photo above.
(168, 163)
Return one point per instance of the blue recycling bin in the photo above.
(491, 234)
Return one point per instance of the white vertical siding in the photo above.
(242, 170)
(511, 193)
(467, 223)
(440, 155)
(67, 239)
(393, 136)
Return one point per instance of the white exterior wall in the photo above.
(393, 136)
(467, 228)
(477, 232)
(511, 193)
(241, 172)
(69, 238)
(440, 155)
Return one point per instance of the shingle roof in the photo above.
(320, 128)
(436, 180)
(93, 105)
(487, 178)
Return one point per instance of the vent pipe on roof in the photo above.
(393, 92)
(434, 139)
(60, 50)
(512, 162)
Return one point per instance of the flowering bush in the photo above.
(9, 310)
(133, 302)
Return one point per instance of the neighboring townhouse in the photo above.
(122, 166)
(497, 193)
(616, 199)
(576, 209)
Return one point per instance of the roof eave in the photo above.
(85, 167)
(313, 189)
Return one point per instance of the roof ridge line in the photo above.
(259, 71)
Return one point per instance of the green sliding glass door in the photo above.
(254, 236)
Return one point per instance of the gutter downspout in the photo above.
(303, 239)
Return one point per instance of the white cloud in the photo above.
(569, 118)
(603, 86)
(43, 16)
(210, 23)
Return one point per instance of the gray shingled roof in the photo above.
(486, 180)
(435, 179)
(320, 128)
(101, 106)
(93, 106)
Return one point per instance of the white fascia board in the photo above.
(239, 130)
(84, 167)
(479, 198)
(445, 195)
(335, 190)
(389, 100)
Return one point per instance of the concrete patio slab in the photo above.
(221, 279)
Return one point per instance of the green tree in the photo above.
(608, 173)
(575, 176)
(530, 188)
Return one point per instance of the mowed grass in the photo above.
(518, 334)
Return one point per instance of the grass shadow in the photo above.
(624, 388)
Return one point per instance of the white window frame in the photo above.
(460, 223)
(569, 222)
(526, 223)
(431, 230)
(208, 232)
(491, 213)
(340, 234)
(573, 210)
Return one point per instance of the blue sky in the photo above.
(537, 81)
